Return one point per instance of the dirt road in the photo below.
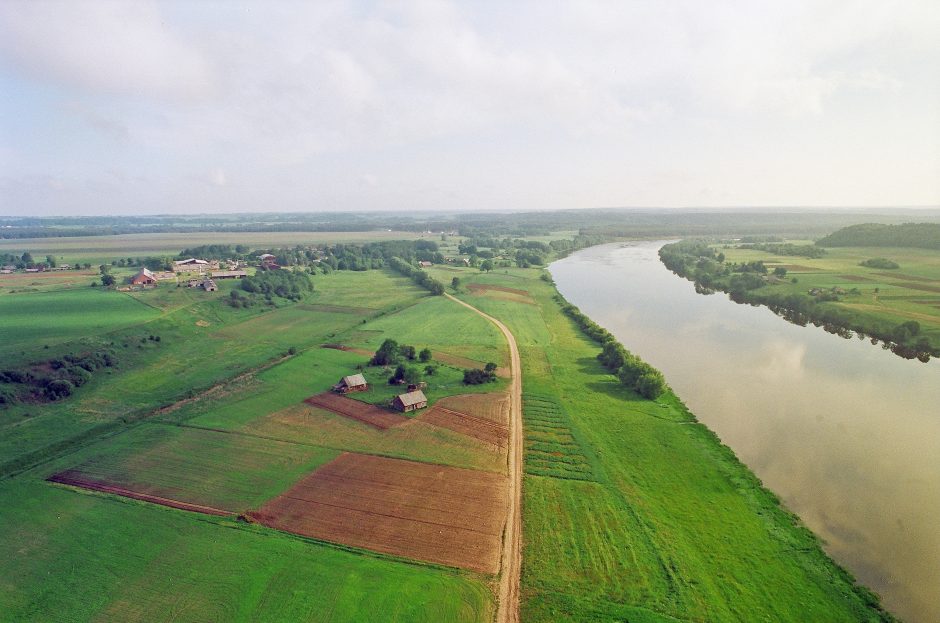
(511, 557)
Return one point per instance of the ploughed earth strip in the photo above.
(455, 414)
(434, 513)
(365, 413)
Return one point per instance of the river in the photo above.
(847, 434)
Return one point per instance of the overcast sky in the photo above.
(140, 107)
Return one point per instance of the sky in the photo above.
(209, 107)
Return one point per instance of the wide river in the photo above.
(847, 434)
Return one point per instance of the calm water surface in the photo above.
(847, 434)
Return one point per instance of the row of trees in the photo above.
(417, 275)
(632, 371)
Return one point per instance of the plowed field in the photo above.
(470, 425)
(493, 407)
(428, 512)
(365, 413)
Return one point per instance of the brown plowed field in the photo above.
(428, 512)
(472, 426)
(365, 413)
(77, 479)
(349, 349)
(493, 407)
(481, 287)
(855, 278)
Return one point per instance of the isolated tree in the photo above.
(430, 370)
(486, 266)
(408, 352)
(425, 355)
(455, 283)
(780, 271)
(412, 375)
(26, 258)
(50, 260)
(490, 367)
(107, 279)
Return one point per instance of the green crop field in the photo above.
(632, 510)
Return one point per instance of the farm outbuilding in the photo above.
(143, 278)
(191, 265)
(229, 274)
(209, 285)
(352, 383)
(411, 401)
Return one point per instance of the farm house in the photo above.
(352, 383)
(143, 278)
(412, 401)
(209, 285)
(191, 265)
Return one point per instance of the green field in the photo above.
(238, 434)
(886, 297)
(632, 510)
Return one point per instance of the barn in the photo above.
(143, 278)
(411, 401)
(209, 285)
(352, 383)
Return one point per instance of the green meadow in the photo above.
(634, 511)
(213, 414)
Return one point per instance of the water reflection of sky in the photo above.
(846, 433)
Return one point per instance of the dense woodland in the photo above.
(913, 235)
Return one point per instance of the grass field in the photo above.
(632, 510)
(911, 292)
(236, 436)
(73, 556)
(41, 318)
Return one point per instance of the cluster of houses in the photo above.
(412, 400)
(208, 273)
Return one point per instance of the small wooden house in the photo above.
(425, 264)
(143, 278)
(352, 383)
(412, 401)
(209, 285)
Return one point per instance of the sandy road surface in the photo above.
(511, 556)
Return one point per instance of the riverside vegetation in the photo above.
(839, 288)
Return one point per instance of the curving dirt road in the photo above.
(510, 563)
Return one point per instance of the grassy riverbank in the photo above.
(633, 510)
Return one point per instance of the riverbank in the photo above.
(837, 292)
(634, 510)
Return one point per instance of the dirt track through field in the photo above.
(425, 511)
(511, 557)
(361, 411)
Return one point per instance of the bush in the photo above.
(475, 376)
(387, 353)
(59, 388)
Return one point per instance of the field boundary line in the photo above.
(510, 562)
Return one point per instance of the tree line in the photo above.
(632, 371)
(417, 275)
